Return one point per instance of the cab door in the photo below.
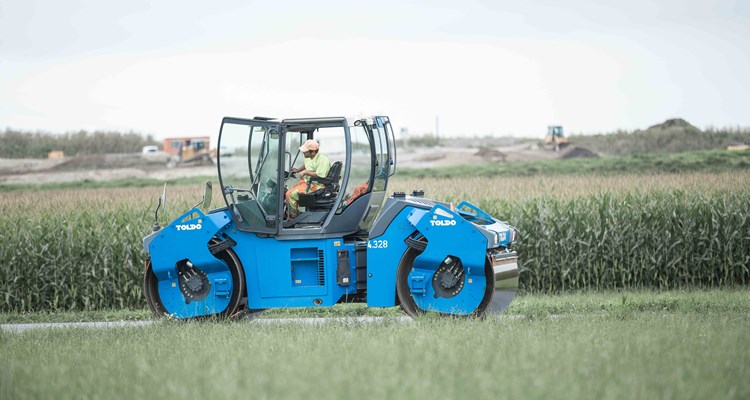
(250, 177)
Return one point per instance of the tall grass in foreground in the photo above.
(643, 355)
(604, 303)
(81, 250)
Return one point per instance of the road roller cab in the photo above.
(342, 240)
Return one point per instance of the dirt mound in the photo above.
(674, 124)
(431, 157)
(110, 161)
(490, 154)
(579, 152)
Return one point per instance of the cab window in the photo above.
(361, 165)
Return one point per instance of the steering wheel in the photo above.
(231, 190)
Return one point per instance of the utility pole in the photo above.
(404, 135)
(437, 129)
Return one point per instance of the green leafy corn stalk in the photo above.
(68, 255)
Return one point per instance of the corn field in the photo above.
(82, 250)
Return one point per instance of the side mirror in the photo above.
(207, 195)
(163, 198)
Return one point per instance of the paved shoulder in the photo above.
(57, 325)
(17, 328)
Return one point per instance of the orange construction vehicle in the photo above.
(188, 149)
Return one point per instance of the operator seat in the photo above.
(322, 199)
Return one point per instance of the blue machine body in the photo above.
(305, 272)
(294, 273)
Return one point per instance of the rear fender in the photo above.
(187, 237)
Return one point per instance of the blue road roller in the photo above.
(342, 239)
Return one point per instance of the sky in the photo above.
(464, 68)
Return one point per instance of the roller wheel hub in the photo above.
(194, 283)
(449, 278)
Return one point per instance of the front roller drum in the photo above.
(504, 264)
(195, 285)
(501, 283)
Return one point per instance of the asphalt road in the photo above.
(18, 328)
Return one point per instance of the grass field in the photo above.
(697, 161)
(707, 161)
(680, 345)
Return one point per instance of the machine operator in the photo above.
(316, 164)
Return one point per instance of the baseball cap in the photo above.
(309, 145)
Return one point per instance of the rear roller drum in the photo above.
(194, 285)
